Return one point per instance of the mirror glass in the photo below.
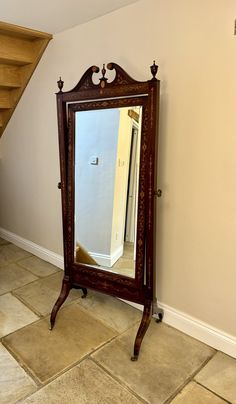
(107, 153)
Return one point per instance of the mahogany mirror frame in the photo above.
(123, 91)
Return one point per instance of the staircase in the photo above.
(20, 51)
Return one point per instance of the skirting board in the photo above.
(105, 259)
(33, 248)
(175, 318)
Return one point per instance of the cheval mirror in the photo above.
(108, 154)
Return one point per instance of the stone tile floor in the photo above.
(86, 358)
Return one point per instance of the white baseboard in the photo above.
(200, 330)
(33, 248)
(117, 254)
(197, 329)
(101, 259)
(175, 318)
(105, 259)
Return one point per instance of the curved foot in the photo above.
(158, 314)
(65, 289)
(147, 314)
(84, 290)
(159, 320)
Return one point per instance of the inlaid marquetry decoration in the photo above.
(108, 144)
(20, 51)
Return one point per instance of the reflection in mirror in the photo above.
(107, 152)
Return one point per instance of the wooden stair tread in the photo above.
(22, 32)
(15, 61)
(9, 86)
(15, 51)
(5, 99)
(20, 51)
(10, 76)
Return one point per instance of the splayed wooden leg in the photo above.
(147, 314)
(65, 289)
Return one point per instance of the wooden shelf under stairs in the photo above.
(20, 51)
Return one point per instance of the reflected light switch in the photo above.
(93, 160)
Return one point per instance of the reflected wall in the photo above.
(107, 149)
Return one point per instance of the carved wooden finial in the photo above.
(154, 69)
(103, 79)
(60, 84)
(103, 71)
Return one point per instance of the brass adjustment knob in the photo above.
(59, 185)
(158, 193)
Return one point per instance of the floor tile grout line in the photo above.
(25, 397)
(29, 255)
(37, 276)
(41, 385)
(28, 283)
(88, 356)
(189, 379)
(22, 365)
(35, 378)
(27, 270)
(119, 381)
(40, 277)
(31, 308)
(86, 311)
(15, 261)
(107, 325)
(213, 392)
(21, 328)
(13, 291)
(26, 304)
(41, 315)
(44, 316)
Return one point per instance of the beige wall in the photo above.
(96, 135)
(193, 43)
